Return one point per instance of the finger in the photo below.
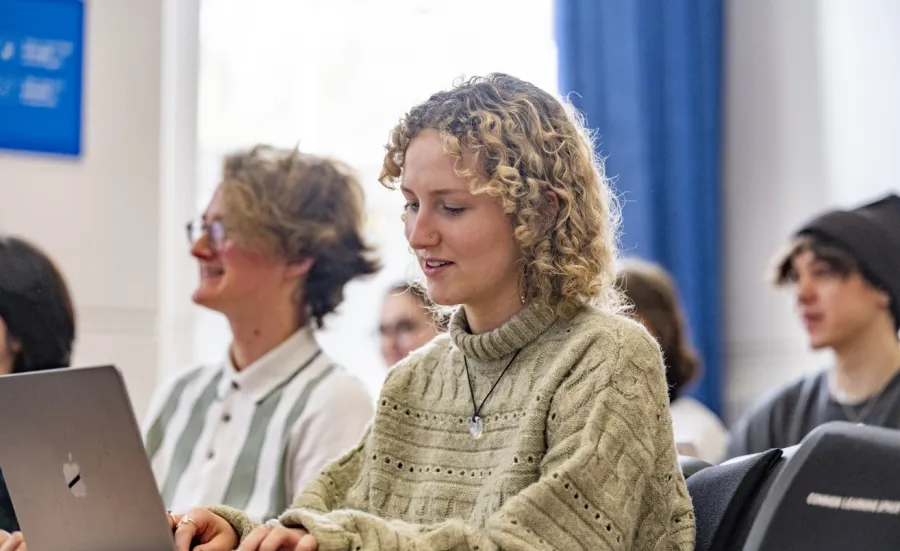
(254, 538)
(307, 543)
(13, 542)
(174, 519)
(279, 538)
(184, 533)
(217, 543)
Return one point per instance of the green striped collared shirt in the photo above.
(253, 439)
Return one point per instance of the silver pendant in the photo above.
(476, 427)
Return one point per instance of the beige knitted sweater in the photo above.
(577, 452)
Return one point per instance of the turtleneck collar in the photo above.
(520, 330)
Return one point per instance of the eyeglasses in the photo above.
(214, 230)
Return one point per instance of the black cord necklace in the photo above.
(476, 423)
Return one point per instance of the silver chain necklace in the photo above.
(860, 417)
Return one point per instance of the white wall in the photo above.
(99, 215)
(811, 123)
(860, 59)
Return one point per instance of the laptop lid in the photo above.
(75, 465)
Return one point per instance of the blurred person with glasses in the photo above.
(280, 239)
(408, 322)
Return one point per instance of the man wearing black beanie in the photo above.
(844, 270)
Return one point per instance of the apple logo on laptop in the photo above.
(72, 472)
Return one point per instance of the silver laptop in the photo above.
(75, 465)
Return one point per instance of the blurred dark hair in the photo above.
(655, 299)
(35, 306)
(438, 317)
(834, 255)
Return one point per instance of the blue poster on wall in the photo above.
(41, 56)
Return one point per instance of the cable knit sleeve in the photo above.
(609, 478)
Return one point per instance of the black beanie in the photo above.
(871, 234)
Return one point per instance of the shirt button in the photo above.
(235, 385)
(226, 418)
(210, 455)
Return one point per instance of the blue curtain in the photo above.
(647, 75)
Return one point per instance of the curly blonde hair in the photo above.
(527, 143)
(300, 206)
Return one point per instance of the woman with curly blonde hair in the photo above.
(540, 420)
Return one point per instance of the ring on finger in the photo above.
(272, 523)
(187, 520)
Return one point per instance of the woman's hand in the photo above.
(12, 542)
(208, 530)
(272, 536)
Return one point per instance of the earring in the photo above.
(403, 217)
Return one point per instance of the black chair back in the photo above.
(839, 491)
(724, 494)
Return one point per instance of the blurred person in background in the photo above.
(843, 268)
(280, 239)
(37, 329)
(540, 419)
(698, 431)
(408, 322)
